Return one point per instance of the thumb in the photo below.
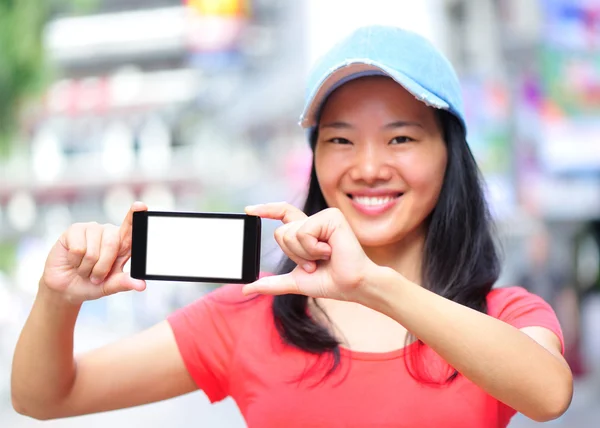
(122, 281)
(273, 285)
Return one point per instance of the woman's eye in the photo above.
(400, 140)
(339, 141)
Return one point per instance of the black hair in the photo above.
(460, 261)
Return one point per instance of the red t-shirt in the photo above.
(230, 346)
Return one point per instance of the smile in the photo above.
(374, 205)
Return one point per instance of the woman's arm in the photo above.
(522, 368)
(48, 382)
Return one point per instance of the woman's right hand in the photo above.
(87, 261)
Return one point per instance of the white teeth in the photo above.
(368, 201)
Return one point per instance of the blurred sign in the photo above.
(214, 31)
(571, 81)
(572, 24)
(570, 56)
(123, 90)
(213, 34)
(570, 86)
(486, 110)
(220, 7)
(571, 146)
(562, 198)
(133, 34)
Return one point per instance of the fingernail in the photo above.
(308, 267)
(95, 280)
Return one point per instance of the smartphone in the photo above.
(195, 247)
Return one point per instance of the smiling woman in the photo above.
(383, 309)
(380, 157)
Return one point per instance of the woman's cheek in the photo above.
(415, 174)
(327, 182)
(330, 169)
(423, 170)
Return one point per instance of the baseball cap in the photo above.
(405, 56)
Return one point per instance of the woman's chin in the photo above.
(375, 240)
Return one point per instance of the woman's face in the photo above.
(380, 158)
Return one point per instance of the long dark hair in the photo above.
(460, 260)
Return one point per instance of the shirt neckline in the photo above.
(376, 356)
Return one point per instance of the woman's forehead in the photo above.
(375, 96)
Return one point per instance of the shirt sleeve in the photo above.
(520, 308)
(206, 337)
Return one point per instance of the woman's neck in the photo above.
(405, 257)
(347, 320)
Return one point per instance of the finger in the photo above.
(109, 251)
(74, 242)
(126, 228)
(305, 259)
(285, 237)
(122, 281)
(283, 211)
(273, 285)
(322, 226)
(93, 240)
(311, 246)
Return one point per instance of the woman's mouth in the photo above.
(374, 205)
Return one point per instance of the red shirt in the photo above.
(231, 348)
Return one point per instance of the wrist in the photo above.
(375, 286)
(57, 299)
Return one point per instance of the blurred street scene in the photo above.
(192, 105)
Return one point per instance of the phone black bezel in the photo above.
(251, 253)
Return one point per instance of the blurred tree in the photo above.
(23, 68)
(8, 257)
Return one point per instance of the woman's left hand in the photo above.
(331, 262)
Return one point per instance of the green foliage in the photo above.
(8, 256)
(23, 65)
(21, 60)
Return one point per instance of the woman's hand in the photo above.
(87, 261)
(331, 262)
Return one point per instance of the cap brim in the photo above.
(351, 70)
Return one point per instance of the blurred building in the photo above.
(182, 104)
(530, 69)
(192, 105)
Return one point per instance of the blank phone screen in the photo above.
(195, 247)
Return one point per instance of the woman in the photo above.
(384, 313)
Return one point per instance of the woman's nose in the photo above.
(371, 165)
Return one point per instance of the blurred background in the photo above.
(193, 105)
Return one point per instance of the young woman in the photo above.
(382, 316)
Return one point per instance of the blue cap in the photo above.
(408, 58)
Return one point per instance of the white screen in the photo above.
(195, 247)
